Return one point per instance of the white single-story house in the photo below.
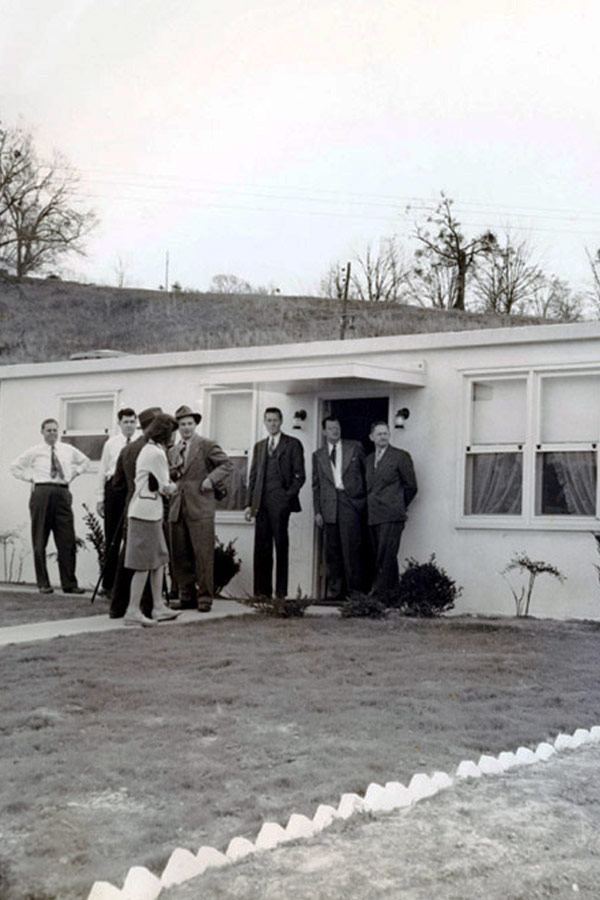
(503, 428)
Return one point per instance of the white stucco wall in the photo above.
(474, 557)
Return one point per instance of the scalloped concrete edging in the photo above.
(183, 865)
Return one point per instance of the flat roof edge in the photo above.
(525, 334)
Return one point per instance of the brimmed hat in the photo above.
(146, 416)
(188, 411)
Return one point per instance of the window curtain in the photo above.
(575, 472)
(496, 484)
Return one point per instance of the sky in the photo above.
(268, 140)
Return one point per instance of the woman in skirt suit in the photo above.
(146, 548)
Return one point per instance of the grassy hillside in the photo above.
(47, 320)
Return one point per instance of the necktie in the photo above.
(378, 456)
(56, 470)
(181, 455)
(333, 456)
(271, 445)
(127, 440)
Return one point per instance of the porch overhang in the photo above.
(299, 378)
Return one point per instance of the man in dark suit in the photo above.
(391, 487)
(276, 476)
(339, 500)
(197, 465)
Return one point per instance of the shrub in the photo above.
(533, 567)
(227, 564)
(359, 605)
(279, 607)
(95, 534)
(425, 589)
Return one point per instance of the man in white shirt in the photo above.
(111, 499)
(50, 467)
(339, 500)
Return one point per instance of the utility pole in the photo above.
(167, 271)
(344, 316)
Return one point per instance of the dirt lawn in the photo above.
(530, 834)
(118, 747)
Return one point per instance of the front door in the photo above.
(356, 415)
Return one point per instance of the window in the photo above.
(231, 427)
(566, 450)
(87, 422)
(531, 453)
(494, 462)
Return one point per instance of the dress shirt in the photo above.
(35, 464)
(378, 455)
(273, 441)
(337, 469)
(108, 461)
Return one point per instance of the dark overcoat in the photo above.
(391, 486)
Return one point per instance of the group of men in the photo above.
(350, 491)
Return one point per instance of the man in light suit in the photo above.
(339, 500)
(276, 476)
(197, 464)
(391, 487)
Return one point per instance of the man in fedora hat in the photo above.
(197, 465)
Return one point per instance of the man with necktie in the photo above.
(391, 487)
(276, 476)
(50, 467)
(110, 497)
(196, 464)
(339, 501)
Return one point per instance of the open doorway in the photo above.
(355, 414)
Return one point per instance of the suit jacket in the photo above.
(205, 459)
(353, 479)
(390, 487)
(290, 460)
(124, 477)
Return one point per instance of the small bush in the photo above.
(95, 534)
(279, 607)
(426, 590)
(363, 606)
(227, 564)
(532, 567)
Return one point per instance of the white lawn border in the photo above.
(141, 884)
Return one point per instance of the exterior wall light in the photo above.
(299, 419)
(401, 417)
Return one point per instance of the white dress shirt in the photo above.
(337, 469)
(108, 461)
(34, 465)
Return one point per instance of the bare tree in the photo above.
(506, 281)
(594, 292)
(430, 284)
(40, 220)
(554, 299)
(447, 247)
(378, 276)
(381, 276)
(121, 270)
(229, 284)
(333, 282)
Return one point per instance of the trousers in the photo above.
(343, 554)
(51, 510)
(272, 530)
(386, 545)
(192, 546)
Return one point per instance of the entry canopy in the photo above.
(299, 378)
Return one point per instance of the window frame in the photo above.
(111, 396)
(531, 447)
(211, 395)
